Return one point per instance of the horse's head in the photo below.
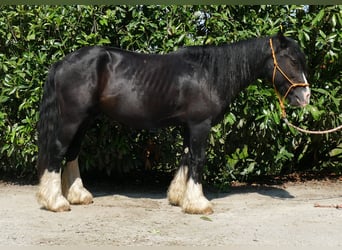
(287, 69)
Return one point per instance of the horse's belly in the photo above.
(138, 115)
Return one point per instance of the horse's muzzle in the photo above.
(300, 97)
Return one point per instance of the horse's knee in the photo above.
(49, 193)
(72, 185)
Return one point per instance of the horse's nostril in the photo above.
(307, 97)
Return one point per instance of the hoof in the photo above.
(49, 194)
(177, 189)
(72, 185)
(202, 206)
(194, 201)
(61, 205)
(57, 204)
(175, 196)
(80, 196)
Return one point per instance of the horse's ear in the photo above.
(282, 39)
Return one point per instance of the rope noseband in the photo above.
(282, 99)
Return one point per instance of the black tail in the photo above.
(48, 125)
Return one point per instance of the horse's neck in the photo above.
(239, 65)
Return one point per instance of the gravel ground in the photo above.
(257, 215)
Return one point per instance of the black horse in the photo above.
(191, 87)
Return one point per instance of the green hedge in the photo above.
(250, 141)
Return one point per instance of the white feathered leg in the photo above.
(72, 185)
(49, 193)
(176, 191)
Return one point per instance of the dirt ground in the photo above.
(138, 216)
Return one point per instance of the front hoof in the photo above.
(202, 206)
(175, 196)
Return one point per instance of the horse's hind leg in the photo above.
(63, 144)
(72, 185)
(49, 193)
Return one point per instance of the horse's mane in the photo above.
(230, 66)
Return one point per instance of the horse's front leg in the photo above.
(176, 191)
(194, 202)
(72, 185)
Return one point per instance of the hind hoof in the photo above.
(58, 204)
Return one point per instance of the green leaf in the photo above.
(318, 17)
(206, 218)
(322, 34)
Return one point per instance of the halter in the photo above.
(281, 99)
(293, 84)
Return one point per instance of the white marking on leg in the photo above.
(72, 185)
(49, 193)
(194, 201)
(186, 150)
(177, 187)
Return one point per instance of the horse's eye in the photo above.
(293, 61)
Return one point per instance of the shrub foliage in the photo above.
(252, 139)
